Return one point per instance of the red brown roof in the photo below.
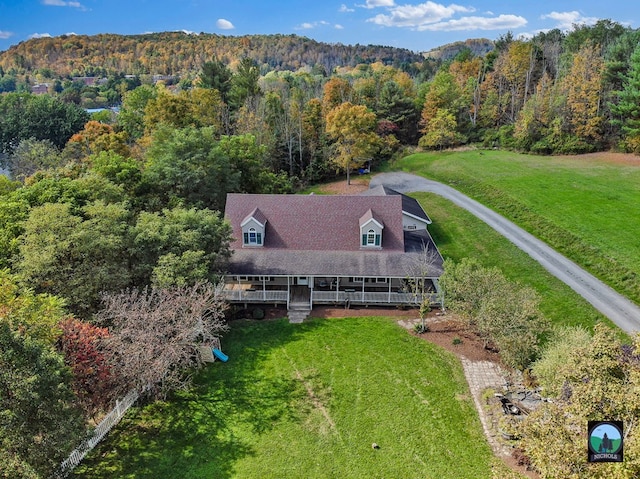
(317, 222)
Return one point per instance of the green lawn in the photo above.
(584, 207)
(307, 401)
(459, 235)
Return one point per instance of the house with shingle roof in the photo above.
(305, 250)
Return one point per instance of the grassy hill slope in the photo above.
(583, 206)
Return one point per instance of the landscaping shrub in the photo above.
(501, 311)
(563, 344)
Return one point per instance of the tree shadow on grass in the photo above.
(203, 432)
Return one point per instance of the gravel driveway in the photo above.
(616, 307)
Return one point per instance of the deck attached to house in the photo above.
(322, 290)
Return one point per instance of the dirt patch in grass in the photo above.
(627, 159)
(358, 185)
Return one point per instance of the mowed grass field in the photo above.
(459, 235)
(586, 207)
(307, 401)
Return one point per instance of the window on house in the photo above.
(371, 238)
(252, 237)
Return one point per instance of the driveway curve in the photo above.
(620, 310)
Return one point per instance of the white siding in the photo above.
(412, 223)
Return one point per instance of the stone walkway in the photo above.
(482, 375)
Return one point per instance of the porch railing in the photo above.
(329, 297)
(370, 297)
(264, 296)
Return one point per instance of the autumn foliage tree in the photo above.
(96, 137)
(584, 95)
(353, 129)
(80, 343)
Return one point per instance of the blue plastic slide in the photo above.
(220, 355)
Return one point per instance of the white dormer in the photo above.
(370, 231)
(253, 229)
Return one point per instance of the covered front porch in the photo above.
(335, 290)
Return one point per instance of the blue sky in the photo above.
(413, 24)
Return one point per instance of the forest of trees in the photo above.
(114, 212)
(558, 92)
(178, 53)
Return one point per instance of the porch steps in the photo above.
(298, 312)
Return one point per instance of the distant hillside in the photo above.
(172, 53)
(478, 46)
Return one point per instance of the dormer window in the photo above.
(253, 229)
(371, 231)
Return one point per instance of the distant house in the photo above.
(90, 81)
(305, 250)
(40, 88)
(164, 78)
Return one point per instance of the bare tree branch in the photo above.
(156, 334)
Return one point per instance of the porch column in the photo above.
(288, 290)
(389, 299)
(337, 288)
(264, 289)
(363, 283)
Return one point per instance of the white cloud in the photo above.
(4, 34)
(378, 3)
(439, 17)
(311, 25)
(224, 24)
(501, 22)
(40, 35)
(63, 3)
(417, 16)
(337, 26)
(344, 9)
(566, 20)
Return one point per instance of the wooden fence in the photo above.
(98, 433)
(110, 420)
